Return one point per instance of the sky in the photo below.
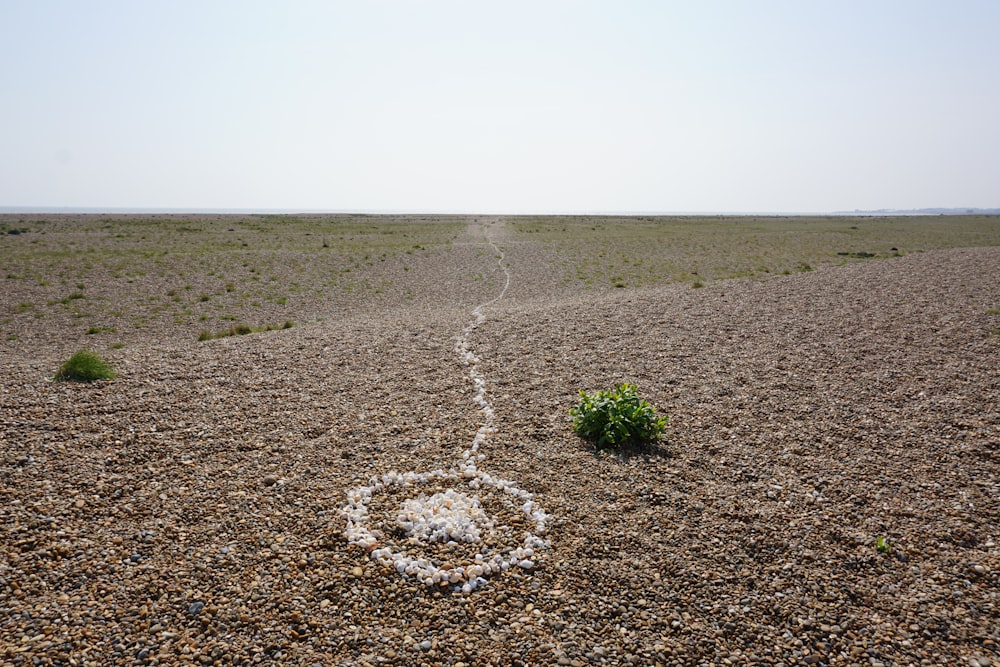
(500, 107)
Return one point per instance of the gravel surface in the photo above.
(192, 510)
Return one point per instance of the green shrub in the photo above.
(85, 366)
(617, 418)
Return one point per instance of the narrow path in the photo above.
(459, 512)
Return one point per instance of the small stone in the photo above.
(979, 569)
(270, 480)
(195, 608)
(357, 571)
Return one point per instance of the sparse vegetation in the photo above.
(140, 271)
(654, 250)
(242, 330)
(85, 366)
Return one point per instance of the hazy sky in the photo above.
(780, 106)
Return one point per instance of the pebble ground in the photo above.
(189, 511)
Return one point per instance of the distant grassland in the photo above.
(106, 277)
(71, 246)
(638, 251)
(124, 272)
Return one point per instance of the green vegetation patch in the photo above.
(616, 419)
(85, 366)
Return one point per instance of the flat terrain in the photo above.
(829, 382)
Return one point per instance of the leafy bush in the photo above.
(85, 366)
(617, 418)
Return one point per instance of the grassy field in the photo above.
(638, 251)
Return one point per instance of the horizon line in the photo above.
(134, 210)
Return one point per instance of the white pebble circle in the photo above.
(452, 515)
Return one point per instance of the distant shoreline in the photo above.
(83, 210)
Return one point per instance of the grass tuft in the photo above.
(85, 366)
(242, 330)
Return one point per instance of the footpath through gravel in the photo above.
(191, 511)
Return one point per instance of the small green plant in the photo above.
(617, 418)
(85, 366)
(882, 545)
